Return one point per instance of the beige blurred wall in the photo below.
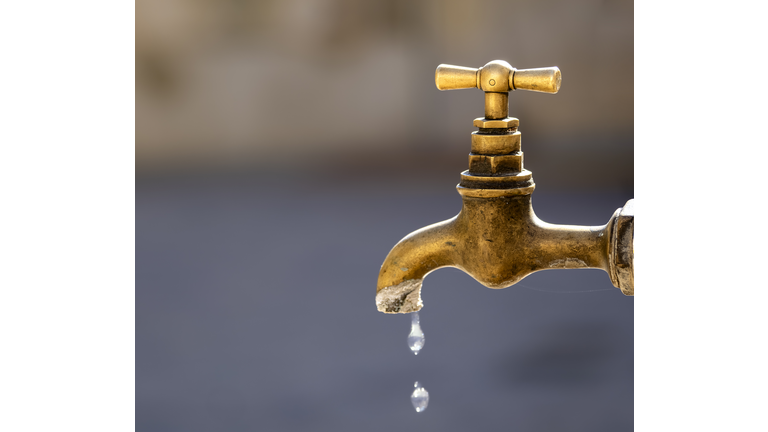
(272, 82)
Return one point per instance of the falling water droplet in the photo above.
(419, 397)
(416, 337)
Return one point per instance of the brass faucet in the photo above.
(496, 238)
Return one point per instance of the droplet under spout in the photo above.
(416, 337)
(419, 398)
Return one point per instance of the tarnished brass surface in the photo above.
(622, 261)
(496, 105)
(496, 165)
(545, 80)
(449, 77)
(505, 123)
(497, 79)
(495, 144)
(497, 241)
(496, 238)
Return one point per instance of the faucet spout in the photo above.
(418, 254)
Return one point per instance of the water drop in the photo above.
(416, 337)
(419, 397)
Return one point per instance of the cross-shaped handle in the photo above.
(497, 79)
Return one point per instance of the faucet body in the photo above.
(496, 238)
(498, 241)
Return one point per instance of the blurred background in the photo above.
(283, 147)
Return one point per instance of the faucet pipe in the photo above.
(498, 241)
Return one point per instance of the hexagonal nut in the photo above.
(507, 123)
(503, 164)
(500, 144)
(622, 260)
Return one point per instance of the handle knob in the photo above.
(496, 79)
(449, 77)
(546, 80)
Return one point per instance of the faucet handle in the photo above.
(496, 79)
(498, 76)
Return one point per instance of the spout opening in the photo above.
(404, 297)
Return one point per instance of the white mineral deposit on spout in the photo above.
(416, 337)
(404, 297)
(419, 397)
